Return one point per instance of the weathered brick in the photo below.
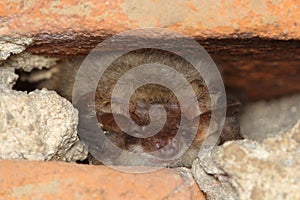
(57, 180)
(68, 28)
(274, 19)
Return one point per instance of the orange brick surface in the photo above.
(277, 19)
(57, 180)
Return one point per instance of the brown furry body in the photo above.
(141, 101)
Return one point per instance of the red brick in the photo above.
(57, 180)
(276, 19)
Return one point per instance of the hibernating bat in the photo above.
(164, 143)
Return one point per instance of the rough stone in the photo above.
(7, 78)
(38, 126)
(211, 178)
(57, 180)
(263, 119)
(9, 45)
(27, 62)
(249, 170)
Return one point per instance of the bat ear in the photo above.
(109, 123)
(104, 106)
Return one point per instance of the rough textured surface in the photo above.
(7, 78)
(258, 69)
(270, 19)
(270, 170)
(9, 46)
(27, 62)
(232, 32)
(55, 180)
(264, 119)
(38, 126)
(211, 178)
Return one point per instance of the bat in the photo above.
(166, 143)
